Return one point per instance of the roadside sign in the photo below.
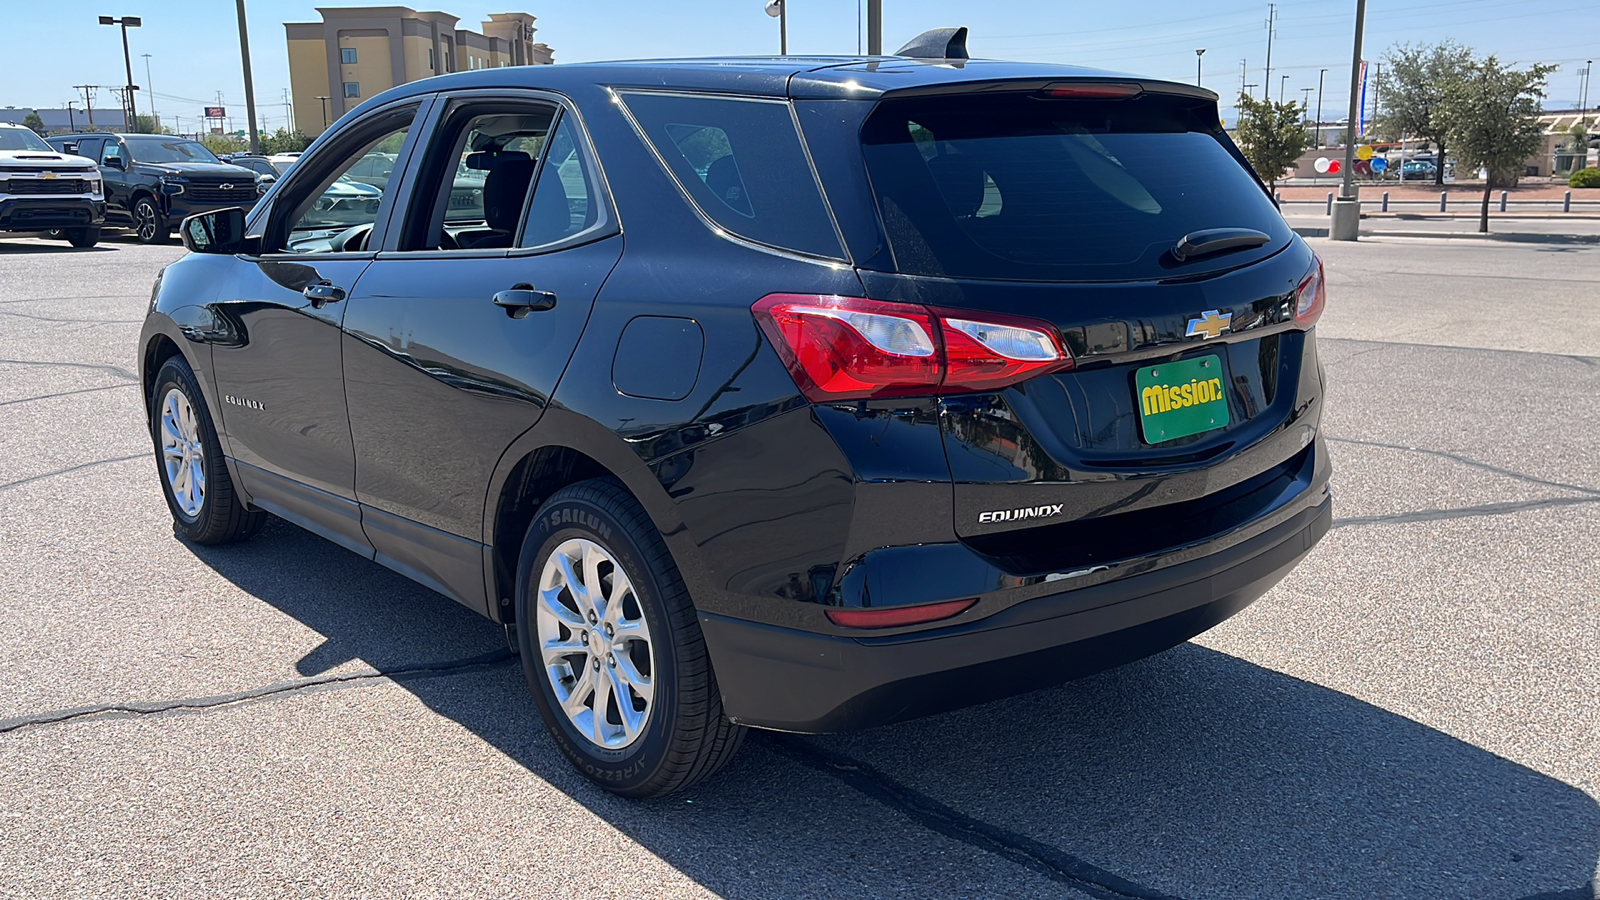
(216, 112)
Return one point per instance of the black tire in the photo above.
(685, 737)
(221, 518)
(83, 237)
(149, 225)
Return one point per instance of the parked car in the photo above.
(42, 189)
(261, 165)
(1418, 170)
(152, 181)
(916, 382)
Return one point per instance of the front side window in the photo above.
(479, 175)
(352, 89)
(741, 162)
(335, 212)
(113, 151)
(347, 55)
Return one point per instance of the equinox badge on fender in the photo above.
(1212, 323)
(1026, 512)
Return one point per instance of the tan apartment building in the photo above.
(358, 52)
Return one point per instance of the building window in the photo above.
(447, 66)
(347, 55)
(430, 59)
(352, 89)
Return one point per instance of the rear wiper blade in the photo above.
(1215, 240)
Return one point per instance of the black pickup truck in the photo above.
(152, 181)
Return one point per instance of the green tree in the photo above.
(32, 120)
(1492, 118)
(145, 125)
(1417, 82)
(284, 141)
(223, 143)
(1271, 135)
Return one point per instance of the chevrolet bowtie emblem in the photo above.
(1212, 323)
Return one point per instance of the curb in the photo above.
(1510, 237)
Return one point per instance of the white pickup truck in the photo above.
(42, 189)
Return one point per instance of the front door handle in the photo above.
(322, 293)
(523, 299)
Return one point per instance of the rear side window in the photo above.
(741, 162)
(1019, 187)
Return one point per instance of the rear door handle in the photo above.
(523, 299)
(322, 293)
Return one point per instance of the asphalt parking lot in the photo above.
(1414, 713)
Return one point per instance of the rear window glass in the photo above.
(1017, 187)
(741, 162)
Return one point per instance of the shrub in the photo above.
(1585, 178)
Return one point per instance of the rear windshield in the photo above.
(1019, 187)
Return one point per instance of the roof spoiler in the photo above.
(937, 43)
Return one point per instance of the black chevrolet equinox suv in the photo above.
(802, 393)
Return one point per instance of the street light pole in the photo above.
(1346, 223)
(150, 83)
(249, 85)
(1588, 77)
(129, 110)
(779, 9)
(874, 27)
(1197, 54)
(1319, 107)
(1283, 82)
(324, 112)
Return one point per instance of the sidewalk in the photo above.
(1573, 228)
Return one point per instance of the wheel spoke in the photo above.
(632, 719)
(550, 601)
(630, 674)
(554, 651)
(582, 688)
(602, 697)
(592, 557)
(575, 585)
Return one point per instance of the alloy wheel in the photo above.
(144, 213)
(594, 644)
(183, 453)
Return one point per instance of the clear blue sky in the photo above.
(194, 48)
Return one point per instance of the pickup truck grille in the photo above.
(216, 193)
(47, 186)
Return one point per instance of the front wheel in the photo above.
(612, 649)
(205, 508)
(149, 225)
(83, 238)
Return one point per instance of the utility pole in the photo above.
(249, 85)
(1244, 68)
(1305, 102)
(1197, 54)
(324, 112)
(1283, 82)
(1272, 20)
(874, 27)
(72, 123)
(131, 124)
(288, 112)
(149, 84)
(1319, 107)
(88, 100)
(1346, 222)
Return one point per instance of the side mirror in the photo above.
(115, 162)
(218, 231)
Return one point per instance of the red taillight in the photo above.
(1312, 294)
(898, 615)
(843, 348)
(1103, 91)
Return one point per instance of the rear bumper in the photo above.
(41, 213)
(791, 680)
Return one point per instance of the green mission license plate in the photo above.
(1178, 399)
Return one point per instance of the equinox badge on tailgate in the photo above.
(1026, 512)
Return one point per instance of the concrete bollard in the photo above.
(1444, 200)
(1385, 201)
(1566, 202)
(1330, 203)
(1502, 201)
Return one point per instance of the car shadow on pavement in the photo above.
(18, 247)
(1191, 774)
